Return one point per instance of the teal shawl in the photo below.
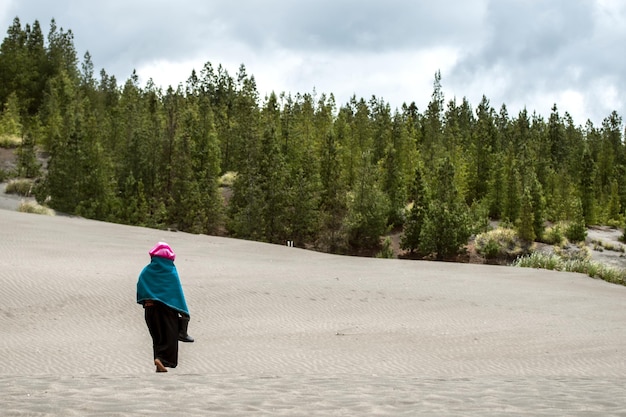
(159, 281)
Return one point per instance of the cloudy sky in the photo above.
(522, 53)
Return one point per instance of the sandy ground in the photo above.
(287, 332)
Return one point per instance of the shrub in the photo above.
(576, 232)
(445, 231)
(387, 250)
(554, 235)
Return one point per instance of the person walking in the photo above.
(160, 292)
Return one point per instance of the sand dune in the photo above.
(284, 331)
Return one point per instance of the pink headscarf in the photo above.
(162, 250)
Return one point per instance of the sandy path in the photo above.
(283, 331)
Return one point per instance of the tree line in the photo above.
(212, 156)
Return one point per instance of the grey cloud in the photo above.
(352, 25)
(546, 47)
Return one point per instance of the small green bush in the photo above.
(554, 235)
(387, 250)
(576, 232)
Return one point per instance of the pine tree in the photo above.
(577, 229)
(13, 64)
(587, 186)
(412, 230)
(10, 120)
(525, 227)
(481, 151)
(333, 204)
(446, 227)
(513, 191)
(27, 164)
(538, 203)
(368, 206)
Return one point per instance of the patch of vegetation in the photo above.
(569, 252)
(21, 187)
(502, 243)
(10, 141)
(4, 175)
(386, 250)
(576, 230)
(600, 245)
(554, 235)
(228, 179)
(556, 262)
(32, 207)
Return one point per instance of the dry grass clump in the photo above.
(600, 246)
(35, 208)
(22, 187)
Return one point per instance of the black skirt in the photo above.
(162, 324)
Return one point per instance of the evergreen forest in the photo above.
(212, 156)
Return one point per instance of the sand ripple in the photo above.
(283, 331)
(309, 395)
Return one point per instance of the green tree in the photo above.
(614, 208)
(77, 180)
(481, 151)
(446, 227)
(27, 164)
(525, 226)
(366, 220)
(412, 230)
(197, 204)
(576, 230)
(10, 124)
(538, 204)
(587, 186)
(513, 190)
(333, 203)
(13, 63)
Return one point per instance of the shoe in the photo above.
(185, 338)
(159, 365)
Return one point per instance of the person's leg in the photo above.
(162, 323)
(183, 324)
